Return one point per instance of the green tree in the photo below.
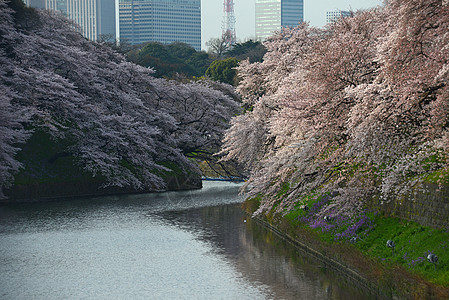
(199, 61)
(223, 70)
(163, 59)
(176, 60)
(180, 50)
(155, 49)
(254, 50)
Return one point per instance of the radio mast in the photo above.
(228, 27)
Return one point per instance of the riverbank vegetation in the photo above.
(404, 272)
(370, 231)
(342, 121)
(82, 103)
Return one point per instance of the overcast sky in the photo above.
(314, 12)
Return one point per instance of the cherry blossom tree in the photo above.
(357, 110)
(12, 117)
(11, 128)
(399, 120)
(119, 121)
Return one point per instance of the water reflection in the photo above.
(262, 257)
(181, 245)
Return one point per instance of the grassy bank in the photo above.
(360, 244)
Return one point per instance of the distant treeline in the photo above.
(179, 60)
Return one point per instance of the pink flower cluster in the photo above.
(123, 123)
(360, 107)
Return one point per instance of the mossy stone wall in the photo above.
(84, 188)
(429, 206)
(51, 172)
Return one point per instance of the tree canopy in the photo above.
(171, 60)
(252, 50)
(223, 70)
(179, 61)
(116, 119)
(356, 110)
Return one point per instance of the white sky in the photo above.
(314, 12)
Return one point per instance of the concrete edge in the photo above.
(335, 265)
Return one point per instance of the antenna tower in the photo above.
(228, 27)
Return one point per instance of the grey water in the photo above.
(175, 245)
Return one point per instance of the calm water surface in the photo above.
(176, 245)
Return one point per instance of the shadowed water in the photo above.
(176, 245)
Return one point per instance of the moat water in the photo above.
(175, 245)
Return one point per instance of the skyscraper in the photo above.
(272, 15)
(333, 16)
(164, 21)
(95, 17)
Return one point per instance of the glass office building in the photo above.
(164, 21)
(94, 17)
(272, 15)
(334, 16)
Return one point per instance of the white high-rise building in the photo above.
(134, 21)
(333, 16)
(94, 17)
(272, 15)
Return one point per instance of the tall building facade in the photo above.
(333, 16)
(164, 21)
(272, 15)
(94, 17)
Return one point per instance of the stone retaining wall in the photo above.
(429, 207)
(85, 188)
(344, 270)
(382, 281)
